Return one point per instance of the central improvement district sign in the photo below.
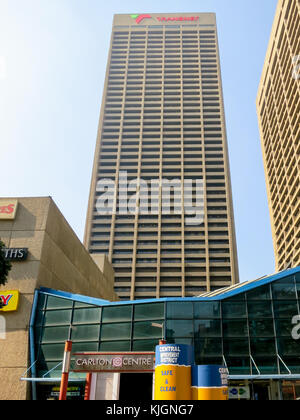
(114, 362)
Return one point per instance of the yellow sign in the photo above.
(8, 209)
(9, 301)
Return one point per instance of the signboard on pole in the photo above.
(114, 362)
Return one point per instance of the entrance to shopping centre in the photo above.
(261, 391)
(136, 386)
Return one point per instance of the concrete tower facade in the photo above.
(162, 134)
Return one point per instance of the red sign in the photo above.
(8, 209)
(140, 18)
(5, 299)
(178, 19)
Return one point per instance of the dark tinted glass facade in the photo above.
(251, 330)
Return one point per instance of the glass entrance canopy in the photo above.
(250, 327)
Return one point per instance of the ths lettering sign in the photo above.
(8, 209)
(15, 254)
(114, 362)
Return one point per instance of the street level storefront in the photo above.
(252, 328)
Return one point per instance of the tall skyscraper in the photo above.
(278, 108)
(162, 127)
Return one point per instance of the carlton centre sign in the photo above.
(114, 362)
(8, 209)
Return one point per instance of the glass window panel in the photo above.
(149, 311)
(181, 340)
(261, 328)
(207, 310)
(239, 297)
(144, 345)
(52, 334)
(87, 315)
(208, 360)
(117, 313)
(116, 331)
(115, 346)
(284, 290)
(58, 317)
(52, 351)
(285, 309)
(82, 347)
(207, 328)
(266, 365)
(180, 328)
(236, 347)
(180, 310)
(284, 327)
(146, 330)
(83, 305)
(288, 347)
(292, 363)
(263, 347)
(39, 318)
(260, 309)
(86, 332)
(42, 299)
(55, 303)
(234, 309)
(208, 347)
(238, 365)
(38, 331)
(297, 278)
(260, 293)
(235, 328)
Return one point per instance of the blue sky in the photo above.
(53, 57)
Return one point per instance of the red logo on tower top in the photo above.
(140, 18)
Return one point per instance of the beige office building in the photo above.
(278, 107)
(44, 253)
(162, 119)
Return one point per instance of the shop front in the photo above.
(251, 329)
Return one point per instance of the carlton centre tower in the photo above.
(160, 203)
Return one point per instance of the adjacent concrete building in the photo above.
(278, 107)
(45, 252)
(162, 119)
